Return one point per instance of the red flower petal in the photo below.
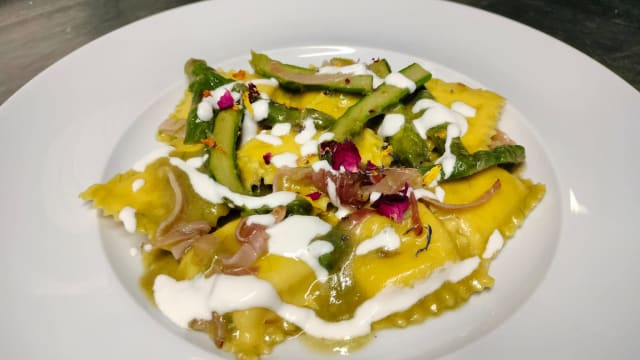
(339, 155)
(254, 94)
(314, 195)
(267, 158)
(392, 206)
(225, 101)
(371, 166)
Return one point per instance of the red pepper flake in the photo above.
(206, 93)
(347, 81)
(235, 107)
(314, 195)
(372, 111)
(267, 158)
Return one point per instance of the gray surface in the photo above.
(35, 34)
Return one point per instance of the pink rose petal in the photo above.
(392, 206)
(225, 101)
(339, 155)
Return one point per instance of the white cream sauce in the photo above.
(307, 133)
(325, 136)
(322, 165)
(309, 148)
(400, 81)
(374, 195)
(216, 193)
(261, 219)
(269, 138)
(161, 152)
(436, 114)
(137, 184)
(249, 127)
(204, 111)
(271, 82)
(438, 194)
(292, 238)
(391, 124)
(197, 161)
(494, 244)
(448, 160)
(218, 93)
(287, 159)
(128, 217)
(182, 301)
(260, 109)
(463, 109)
(208, 104)
(387, 239)
(281, 129)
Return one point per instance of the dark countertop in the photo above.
(35, 34)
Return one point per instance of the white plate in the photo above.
(565, 286)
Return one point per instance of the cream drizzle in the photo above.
(216, 193)
(400, 81)
(292, 238)
(128, 217)
(387, 239)
(161, 152)
(183, 301)
(391, 124)
(307, 133)
(494, 244)
(281, 129)
(269, 138)
(261, 219)
(287, 159)
(137, 184)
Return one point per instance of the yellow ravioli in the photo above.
(154, 200)
(377, 269)
(505, 211)
(488, 107)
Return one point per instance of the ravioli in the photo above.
(394, 232)
(488, 106)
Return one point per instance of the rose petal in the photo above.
(371, 166)
(314, 195)
(392, 206)
(267, 158)
(225, 101)
(254, 94)
(341, 155)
